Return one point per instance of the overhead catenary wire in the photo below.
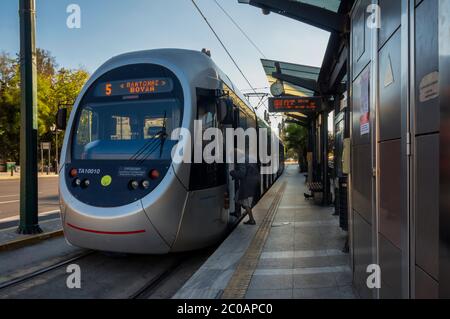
(240, 29)
(222, 44)
(261, 102)
(244, 90)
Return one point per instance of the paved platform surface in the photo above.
(9, 238)
(301, 257)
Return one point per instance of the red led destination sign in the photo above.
(134, 86)
(289, 104)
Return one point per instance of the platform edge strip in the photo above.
(239, 282)
(19, 243)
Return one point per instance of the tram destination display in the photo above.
(286, 104)
(134, 87)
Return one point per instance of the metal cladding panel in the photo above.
(426, 286)
(390, 88)
(444, 198)
(390, 191)
(362, 181)
(361, 107)
(390, 19)
(391, 272)
(361, 38)
(427, 67)
(427, 204)
(362, 254)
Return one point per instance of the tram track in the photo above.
(141, 277)
(34, 274)
(159, 279)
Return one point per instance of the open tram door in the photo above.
(228, 116)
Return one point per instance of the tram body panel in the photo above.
(164, 207)
(115, 229)
(204, 221)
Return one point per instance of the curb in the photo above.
(17, 177)
(18, 243)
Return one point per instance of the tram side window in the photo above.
(207, 113)
(243, 120)
(87, 127)
(205, 175)
(247, 121)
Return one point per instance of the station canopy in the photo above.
(281, 71)
(287, 74)
(325, 14)
(332, 5)
(300, 80)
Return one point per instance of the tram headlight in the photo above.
(77, 182)
(134, 184)
(145, 184)
(86, 183)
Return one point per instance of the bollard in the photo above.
(12, 170)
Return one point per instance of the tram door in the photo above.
(233, 185)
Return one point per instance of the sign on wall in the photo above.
(364, 121)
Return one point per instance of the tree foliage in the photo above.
(296, 141)
(56, 86)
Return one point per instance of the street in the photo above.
(10, 191)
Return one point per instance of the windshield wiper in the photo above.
(148, 145)
(162, 135)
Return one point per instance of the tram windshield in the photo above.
(138, 130)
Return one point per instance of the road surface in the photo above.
(9, 196)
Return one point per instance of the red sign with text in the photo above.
(290, 104)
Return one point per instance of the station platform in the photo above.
(294, 252)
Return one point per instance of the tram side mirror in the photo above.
(225, 111)
(61, 119)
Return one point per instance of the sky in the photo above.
(112, 27)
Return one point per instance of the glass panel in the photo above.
(126, 130)
(332, 5)
(297, 70)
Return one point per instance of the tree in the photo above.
(296, 141)
(56, 86)
(66, 85)
(9, 108)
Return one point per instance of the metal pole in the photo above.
(57, 155)
(314, 148)
(28, 113)
(326, 180)
(49, 160)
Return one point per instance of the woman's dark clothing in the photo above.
(248, 177)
